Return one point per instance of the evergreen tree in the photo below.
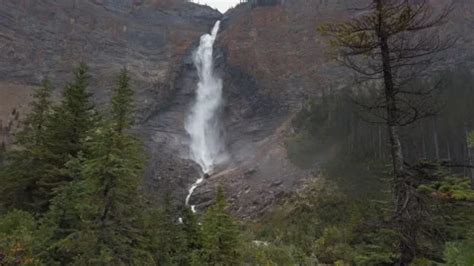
(3, 149)
(110, 207)
(178, 239)
(20, 239)
(122, 104)
(34, 126)
(170, 237)
(68, 129)
(27, 163)
(65, 218)
(192, 231)
(460, 253)
(73, 119)
(221, 236)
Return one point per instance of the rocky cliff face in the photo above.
(270, 56)
(274, 61)
(45, 39)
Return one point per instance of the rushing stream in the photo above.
(206, 145)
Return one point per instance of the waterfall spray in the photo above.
(206, 145)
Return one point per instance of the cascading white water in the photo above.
(206, 145)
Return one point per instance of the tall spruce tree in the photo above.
(122, 104)
(111, 209)
(192, 231)
(170, 238)
(68, 128)
(221, 236)
(73, 118)
(20, 239)
(65, 217)
(177, 240)
(27, 163)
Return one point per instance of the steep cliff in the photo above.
(46, 39)
(274, 60)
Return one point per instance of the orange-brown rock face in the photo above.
(280, 45)
(47, 39)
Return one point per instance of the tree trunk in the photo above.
(423, 142)
(435, 137)
(381, 144)
(448, 148)
(408, 237)
(469, 157)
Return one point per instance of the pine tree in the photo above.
(73, 119)
(64, 219)
(110, 208)
(170, 238)
(221, 236)
(177, 240)
(27, 163)
(122, 104)
(192, 230)
(20, 239)
(72, 122)
(193, 240)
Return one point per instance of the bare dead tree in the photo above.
(390, 44)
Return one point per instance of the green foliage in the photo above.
(51, 136)
(221, 237)
(27, 163)
(332, 246)
(331, 133)
(422, 262)
(99, 216)
(20, 239)
(32, 134)
(68, 128)
(460, 253)
(79, 175)
(170, 239)
(328, 227)
(82, 174)
(263, 253)
(3, 150)
(470, 139)
(450, 200)
(450, 188)
(73, 118)
(192, 231)
(122, 103)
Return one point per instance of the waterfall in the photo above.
(202, 125)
